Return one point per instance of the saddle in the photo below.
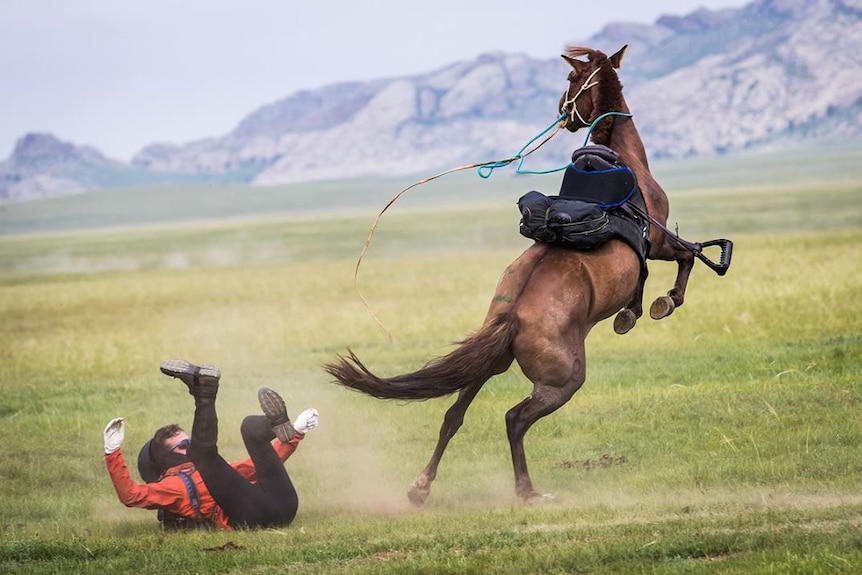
(596, 175)
(590, 208)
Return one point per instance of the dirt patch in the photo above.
(606, 460)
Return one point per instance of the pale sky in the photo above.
(121, 74)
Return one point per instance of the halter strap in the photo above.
(588, 83)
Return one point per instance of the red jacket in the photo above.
(170, 492)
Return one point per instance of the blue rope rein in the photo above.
(486, 170)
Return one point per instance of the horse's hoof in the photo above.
(662, 307)
(417, 495)
(536, 498)
(624, 321)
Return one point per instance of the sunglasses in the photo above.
(184, 444)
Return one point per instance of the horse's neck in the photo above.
(626, 141)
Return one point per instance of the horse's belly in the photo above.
(583, 287)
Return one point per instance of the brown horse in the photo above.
(547, 300)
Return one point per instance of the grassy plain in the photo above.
(724, 439)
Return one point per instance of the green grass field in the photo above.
(723, 439)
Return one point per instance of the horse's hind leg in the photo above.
(452, 421)
(546, 398)
(664, 305)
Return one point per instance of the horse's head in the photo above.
(594, 87)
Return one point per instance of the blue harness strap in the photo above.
(194, 495)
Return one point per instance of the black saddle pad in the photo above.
(597, 175)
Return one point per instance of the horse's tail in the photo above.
(476, 359)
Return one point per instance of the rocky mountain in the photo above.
(398, 126)
(771, 72)
(767, 74)
(43, 166)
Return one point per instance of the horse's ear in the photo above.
(617, 59)
(577, 65)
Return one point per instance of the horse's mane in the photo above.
(578, 51)
(610, 92)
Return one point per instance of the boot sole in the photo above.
(186, 371)
(274, 408)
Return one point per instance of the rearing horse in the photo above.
(546, 301)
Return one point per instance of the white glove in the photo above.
(306, 420)
(115, 432)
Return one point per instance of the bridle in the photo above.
(588, 83)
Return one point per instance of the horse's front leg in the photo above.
(452, 421)
(664, 305)
(627, 317)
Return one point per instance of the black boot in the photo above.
(202, 380)
(273, 407)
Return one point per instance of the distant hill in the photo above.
(710, 82)
(43, 166)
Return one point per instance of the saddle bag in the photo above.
(561, 221)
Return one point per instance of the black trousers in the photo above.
(269, 502)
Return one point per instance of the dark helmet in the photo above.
(146, 466)
(154, 460)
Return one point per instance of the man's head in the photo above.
(172, 438)
(166, 449)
